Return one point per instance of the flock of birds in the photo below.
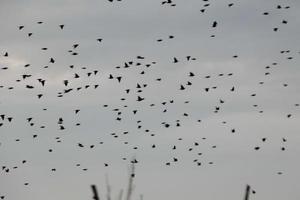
(133, 100)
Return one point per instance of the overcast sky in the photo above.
(131, 28)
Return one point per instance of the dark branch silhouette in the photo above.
(95, 192)
(247, 194)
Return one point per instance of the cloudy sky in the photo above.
(262, 65)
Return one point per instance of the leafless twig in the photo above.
(247, 194)
(130, 183)
(95, 192)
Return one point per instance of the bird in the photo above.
(215, 23)
(175, 60)
(119, 78)
(75, 46)
(66, 82)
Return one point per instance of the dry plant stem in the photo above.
(130, 183)
(247, 194)
(95, 192)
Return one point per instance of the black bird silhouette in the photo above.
(140, 98)
(119, 78)
(175, 60)
(215, 23)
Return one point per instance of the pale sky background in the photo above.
(130, 28)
